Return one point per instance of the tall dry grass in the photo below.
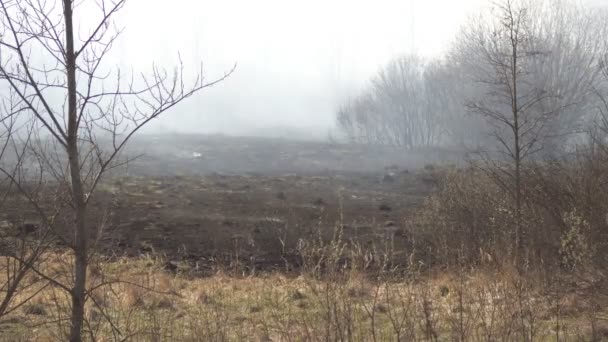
(136, 300)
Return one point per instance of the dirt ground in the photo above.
(256, 218)
(204, 199)
(251, 200)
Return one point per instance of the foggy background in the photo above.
(297, 61)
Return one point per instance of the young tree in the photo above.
(496, 53)
(531, 67)
(81, 111)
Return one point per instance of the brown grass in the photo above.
(152, 305)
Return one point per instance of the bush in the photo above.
(470, 219)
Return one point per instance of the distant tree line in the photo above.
(523, 76)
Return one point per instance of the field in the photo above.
(230, 239)
(219, 198)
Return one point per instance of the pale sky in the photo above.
(296, 59)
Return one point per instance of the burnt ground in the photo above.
(209, 198)
(259, 218)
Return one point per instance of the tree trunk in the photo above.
(80, 244)
(519, 234)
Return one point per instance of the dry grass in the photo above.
(148, 304)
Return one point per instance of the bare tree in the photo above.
(496, 52)
(22, 243)
(400, 108)
(81, 112)
(530, 68)
(598, 132)
(573, 39)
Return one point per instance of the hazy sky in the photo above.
(296, 59)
